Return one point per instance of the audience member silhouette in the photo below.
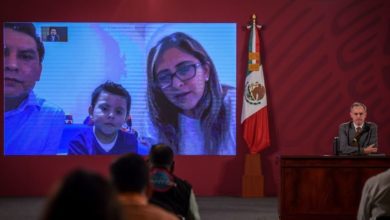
(375, 200)
(130, 176)
(83, 195)
(168, 189)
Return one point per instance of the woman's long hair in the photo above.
(210, 108)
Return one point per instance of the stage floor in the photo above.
(226, 208)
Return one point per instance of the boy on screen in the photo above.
(110, 106)
(32, 126)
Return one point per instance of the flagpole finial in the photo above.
(254, 25)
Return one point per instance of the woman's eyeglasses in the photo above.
(183, 72)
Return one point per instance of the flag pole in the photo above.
(253, 179)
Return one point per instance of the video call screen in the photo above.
(189, 102)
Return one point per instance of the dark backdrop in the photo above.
(319, 56)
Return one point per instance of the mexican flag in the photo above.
(254, 115)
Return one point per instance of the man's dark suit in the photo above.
(52, 38)
(347, 132)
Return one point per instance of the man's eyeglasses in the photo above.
(358, 113)
(183, 72)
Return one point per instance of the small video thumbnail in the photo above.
(54, 34)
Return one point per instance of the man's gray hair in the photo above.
(358, 104)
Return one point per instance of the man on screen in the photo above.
(358, 134)
(53, 35)
(32, 126)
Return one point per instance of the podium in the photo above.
(325, 187)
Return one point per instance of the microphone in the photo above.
(358, 145)
(356, 139)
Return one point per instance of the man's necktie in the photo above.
(358, 131)
(355, 141)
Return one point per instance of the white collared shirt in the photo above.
(356, 126)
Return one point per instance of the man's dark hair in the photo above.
(161, 155)
(130, 173)
(29, 29)
(51, 28)
(114, 88)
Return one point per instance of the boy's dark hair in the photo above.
(114, 88)
(29, 29)
(130, 173)
(161, 155)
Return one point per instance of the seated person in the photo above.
(130, 177)
(169, 191)
(83, 195)
(375, 200)
(110, 106)
(358, 133)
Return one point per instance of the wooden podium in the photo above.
(253, 179)
(325, 187)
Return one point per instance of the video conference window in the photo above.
(54, 34)
(114, 88)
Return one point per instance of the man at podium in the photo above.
(358, 136)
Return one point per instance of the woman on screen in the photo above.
(188, 107)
